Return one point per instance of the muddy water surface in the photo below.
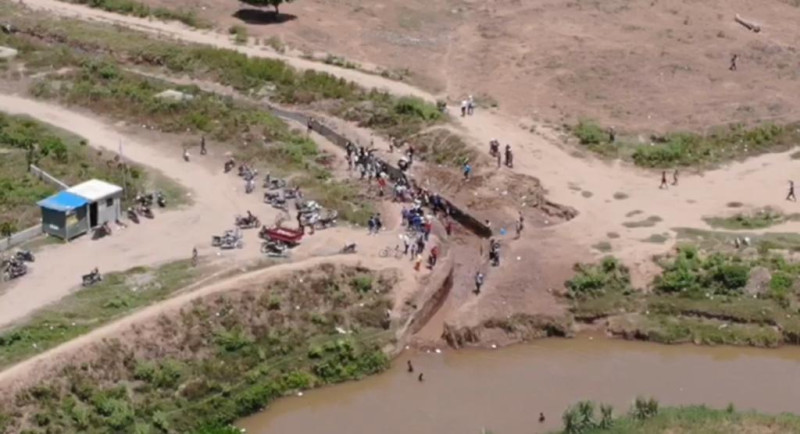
(504, 390)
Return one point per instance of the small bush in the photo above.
(589, 133)
(362, 283)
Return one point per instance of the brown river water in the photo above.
(504, 390)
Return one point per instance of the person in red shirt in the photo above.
(434, 256)
(428, 227)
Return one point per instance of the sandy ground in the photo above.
(583, 182)
(632, 64)
(171, 235)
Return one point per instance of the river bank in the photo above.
(504, 390)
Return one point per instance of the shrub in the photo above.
(589, 133)
(362, 283)
(592, 280)
(644, 408)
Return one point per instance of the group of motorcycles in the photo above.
(144, 205)
(16, 266)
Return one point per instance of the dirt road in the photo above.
(583, 182)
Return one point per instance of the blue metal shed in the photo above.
(64, 215)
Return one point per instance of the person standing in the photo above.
(467, 171)
(478, 282)
(203, 145)
(463, 108)
(663, 180)
(675, 177)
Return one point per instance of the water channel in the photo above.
(505, 389)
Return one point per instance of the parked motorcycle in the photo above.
(132, 216)
(274, 249)
(146, 211)
(229, 165)
(24, 256)
(102, 231)
(161, 200)
(14, 269)
(91, 278)
(247, 222)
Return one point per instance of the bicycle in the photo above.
(396, 251)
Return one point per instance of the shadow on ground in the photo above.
(257, 16)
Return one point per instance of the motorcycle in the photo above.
(229, 165)
(247, 222)
(348, 248)
(132, 216)
(102, 231)
(146, 211)
(14, 271)
(161, 200)
(91, 278)
(24, 256)
(274, 249)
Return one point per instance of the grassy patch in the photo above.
(620, 196)
(440, 146)
(239, 33)
(600, 290)
(219, 358)
(587, 194)
(141, 10)
(612, 235)
(704, 298)
(633, 213)
(690, 149)
(647, 417)
(734, 204)
(67, 157)
(118, 295)
(646, 223)
(103, 88)
(758, 219)
(51, 43)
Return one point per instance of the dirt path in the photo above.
(585, 183)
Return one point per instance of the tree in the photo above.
(266, 3)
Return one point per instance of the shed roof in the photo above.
(95, 189)
(62, 201)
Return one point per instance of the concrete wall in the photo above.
(109, 213)
(20, 237)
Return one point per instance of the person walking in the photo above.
(448, 227)
(406, 243)
(675, 177)
(418, 261)
(509, 157)
(470, 105)
(203, 145)
(467, 171)
(478, 282)
(663, 180)
(410, 366)
(463, 108)
(734, 58)
(791, 196)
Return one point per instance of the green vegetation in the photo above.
(717, 298)
(117, 295)
(239, 33)
(397, 116)
(443, 148)
(24, 141)
(104, 88)
(141, 10)
(656, 238)
(647, 417)
(759, 219)
(690, 149)
(600, 290)
(219, 358)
